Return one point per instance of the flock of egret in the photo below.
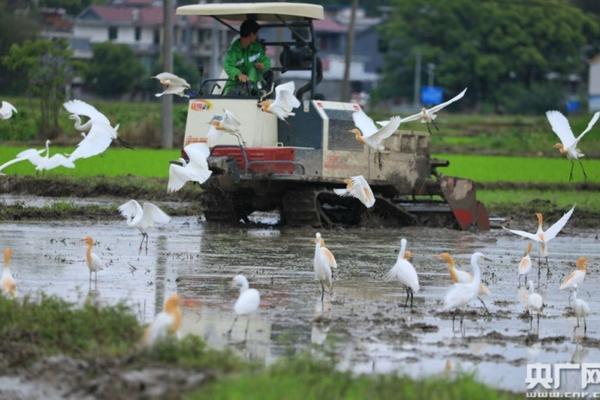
(98, 133)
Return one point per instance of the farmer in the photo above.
(246, 62)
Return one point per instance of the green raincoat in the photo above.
(241, 61)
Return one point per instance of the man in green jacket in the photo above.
(246, 61)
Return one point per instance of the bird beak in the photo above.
(487, 259)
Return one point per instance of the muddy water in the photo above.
(362, 322)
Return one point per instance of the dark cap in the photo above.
(249, 26)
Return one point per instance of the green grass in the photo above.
(302, 378)
(585, 200)
(518, 169)
(113, 162)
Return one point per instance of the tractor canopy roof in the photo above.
(274, 11)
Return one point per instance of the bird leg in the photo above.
(428, 128)
(530, 322)
(407, 297)
(583, 170)
(247, 325)
(571, 171)
(547, 268)
(142, 242)
(584, 326)
(577, 326)
(147, 237)
(322, 292)
(412, 296)
(484, 306)
(231, 328)
(434, 124)
(538, 323)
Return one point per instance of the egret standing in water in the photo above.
(525, 264)
(582, 309)
(143, 218)
(576, 277)
(93, 262)
(404, 272)
(459, 276)
(544, 237)
(460, 294)
(535, 304)
(323, 263)
(7, 282)
(247, 303)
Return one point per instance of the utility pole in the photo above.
(214, 51)
(348, 55)
(166, 113)
(430, 74)
(417, 92)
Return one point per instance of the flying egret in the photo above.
(26, 155)
(428, 115)
(525, 263)
(7, 110)
(358, 187)
(323, 262)
(576, 277)
(100, 135)
(247, 303)
(7, 282)
(544, 237)
(93, 262)
(367, 133)
(582, 309)
(404, 272)
(143, 218)
(196, 169)
(166, 322)
(285, 101)
(568, 142)
(534, 305)
(41, 163)
(460, 294)
(460, 276)
(227, 122)
(172, 84)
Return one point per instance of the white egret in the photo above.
(143, 218)
(166, 322)
(582, 309)
(404, 272)
(172, 84)
(285, 101)
(247, 303)
(576, 277)
(41, 163)
(227, 122)
(460, 294)
(358, 187)
(100, 135)
(535, 304)
(544, 237)
(460, 276)
(196, 169)
(428, 115)
(93, 262)
(7, 282)
(525, 263)
(7, 110)
(568, 142)
(367, 133)
(323, 263)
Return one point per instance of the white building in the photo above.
(594, 84)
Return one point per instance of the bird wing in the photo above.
(284, 96)
(589, 126)
(414, 117)
(130, 209)
(386, 131)
(154, 214)
(95, 142)
(82, 108)
(362, 191)
(524, 234)
(560, 126)
(573, 278)
(175, 80)
(438, 107)
(364, 123)
(248, 302)
(97, 263)
(177, 178)
(551, 232)
(7, 108)
(58, 160)
(230, 119)
(329, 257)
(31, 155)
(198, 153)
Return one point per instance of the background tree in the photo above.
(46, 67)
(485, 45)
(113, 69)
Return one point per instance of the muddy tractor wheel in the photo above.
(223, 207)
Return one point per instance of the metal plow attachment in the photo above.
(460, 195)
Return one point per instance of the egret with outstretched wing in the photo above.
(7, 110)
(196, 169)
(366, 132)
(143, 218)
(358, 187)
(172, 84)
(285, 101)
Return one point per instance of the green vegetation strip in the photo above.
(31, 330)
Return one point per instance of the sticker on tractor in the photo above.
(200, 105)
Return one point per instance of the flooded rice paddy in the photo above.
(362, 322)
